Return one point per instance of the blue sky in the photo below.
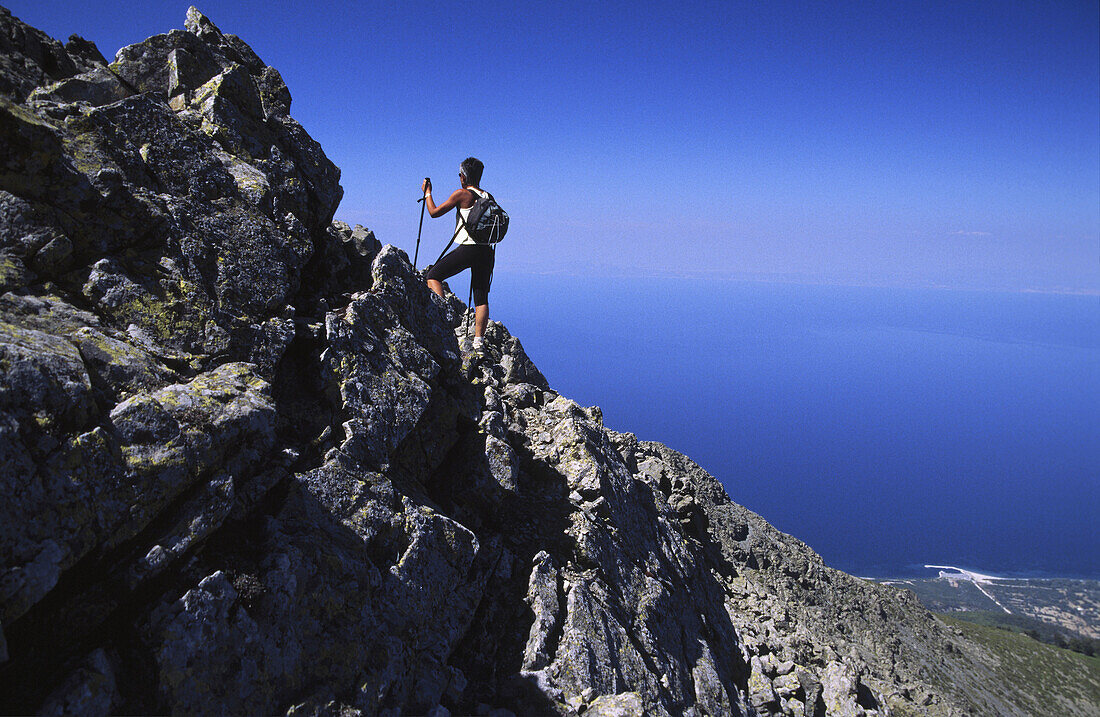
(910, 143)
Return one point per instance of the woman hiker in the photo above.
(468, 254)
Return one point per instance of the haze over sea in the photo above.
(885, 427)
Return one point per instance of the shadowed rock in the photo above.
(249, 467)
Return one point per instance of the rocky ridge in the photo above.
(249, 467)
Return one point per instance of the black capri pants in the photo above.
(478, 258)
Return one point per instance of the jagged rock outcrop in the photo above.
(249, 468)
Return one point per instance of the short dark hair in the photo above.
(472, 169)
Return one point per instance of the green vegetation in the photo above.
(1034, 628)
(1045, 680)
(1062, 612)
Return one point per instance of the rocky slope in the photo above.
(248, 467)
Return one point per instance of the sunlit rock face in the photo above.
(248, 467)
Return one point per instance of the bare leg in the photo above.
(481, 319)
(436, 286)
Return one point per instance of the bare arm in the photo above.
(455, 200)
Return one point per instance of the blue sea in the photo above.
(887, 428)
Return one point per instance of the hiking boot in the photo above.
(478, 345)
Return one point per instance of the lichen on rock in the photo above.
(251, 468)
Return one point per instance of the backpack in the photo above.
(487, 222)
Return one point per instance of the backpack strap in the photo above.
(462, 224)
(487, 198)
(452, 241)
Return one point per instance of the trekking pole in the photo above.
(423, 203)
(470, 306)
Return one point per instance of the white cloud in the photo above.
(963, 233)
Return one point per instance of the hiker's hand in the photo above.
(426, 187)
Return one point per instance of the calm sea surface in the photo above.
(886, 428)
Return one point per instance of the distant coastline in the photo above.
(1064, 612)
(971, 574)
